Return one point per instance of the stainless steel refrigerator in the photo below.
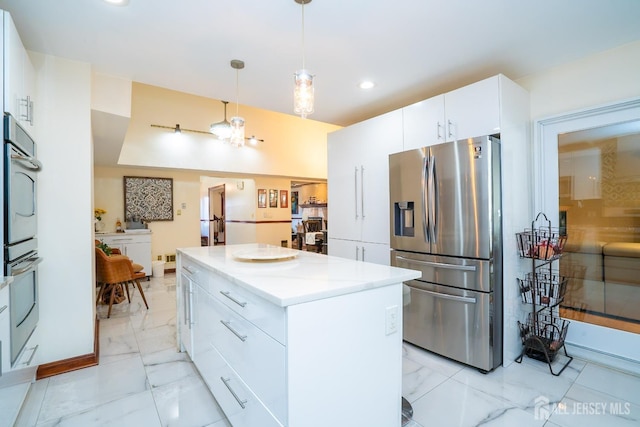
(446, 222)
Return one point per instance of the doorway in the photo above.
(577, 179)
(214, 230)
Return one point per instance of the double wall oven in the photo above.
(20, 229)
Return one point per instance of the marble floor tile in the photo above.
(571, 371)
(117, 341)
(186, 402)
(519, 384)
(453, 404)
(156, 339)
(586, 407)
(614, 383)
(418, 379)
(80, 390)
(153, 319)
(31, 409)
(131, 411)
(161, 374)
(10, 398)
(433, 361)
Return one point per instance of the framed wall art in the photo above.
(273, 198)
(262, 198)
(148, 199)
(284, 199)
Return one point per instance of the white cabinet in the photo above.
(470, 111)
(358, 184)
(424, 123)
(377, 253)
(187, 309)
(19, 76)
(582, 170)
(5, 361)
(269, 365)
(136, 246)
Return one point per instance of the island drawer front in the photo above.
(232, 393)
(267, 316)
(256, 357)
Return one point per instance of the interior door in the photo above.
(217, 229)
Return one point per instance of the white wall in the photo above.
(65, 220)
(607, 77)
(591, 82)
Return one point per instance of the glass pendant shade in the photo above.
(303, 93)
(222, 130)
(237, 131)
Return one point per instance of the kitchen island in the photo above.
(291, 338)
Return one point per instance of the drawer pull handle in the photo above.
(3, 309)
(242, 403)
(236, 333)
(228, 295)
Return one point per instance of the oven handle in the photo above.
(34, 261)
(36, 165)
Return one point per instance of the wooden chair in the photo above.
(116, 272)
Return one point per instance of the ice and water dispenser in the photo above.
(403, 219)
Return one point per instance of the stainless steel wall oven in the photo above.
(20, 230)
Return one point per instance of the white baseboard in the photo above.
(605, 359)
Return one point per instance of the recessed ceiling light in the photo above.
(118, 2)
(366, 84)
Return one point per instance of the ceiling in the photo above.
(412, 49)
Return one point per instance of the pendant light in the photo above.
(237, 122)
(222, 130)
(303, 80)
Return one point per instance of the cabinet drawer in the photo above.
(263, 314)
(257, 358)
(239, 404)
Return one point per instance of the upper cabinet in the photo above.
(470, 111)
(19, 76)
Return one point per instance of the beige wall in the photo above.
(183, 231)
(292, 146)
(246, 223)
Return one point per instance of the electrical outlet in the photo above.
(391, 320)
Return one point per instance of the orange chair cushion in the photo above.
(137, 267)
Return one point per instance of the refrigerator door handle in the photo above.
(439, 264)
(435, 206)
(425, 187)
(447, 296)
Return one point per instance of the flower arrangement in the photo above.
(105, 248)
(98, 212)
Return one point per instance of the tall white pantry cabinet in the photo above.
(358, 187)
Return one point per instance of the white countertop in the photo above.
(307, 277)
